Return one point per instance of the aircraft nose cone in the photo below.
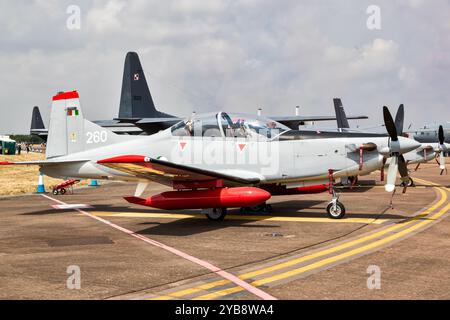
(407, 145)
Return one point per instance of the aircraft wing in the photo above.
(167, 173)
(40, 162)
(294, 121)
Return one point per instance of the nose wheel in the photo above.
(215, 214)
(336, 210)
(408, 183)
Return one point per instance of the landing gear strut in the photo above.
(215, 214)
(335, 208)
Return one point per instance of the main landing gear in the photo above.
(218, 214)
(215, 214)
(261, 208)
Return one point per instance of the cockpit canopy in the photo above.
(222, 124)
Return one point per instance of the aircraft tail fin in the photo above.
(135, 100)
(341, 118)
(69, 132)
(36, 120)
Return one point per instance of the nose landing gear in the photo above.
(335, 208)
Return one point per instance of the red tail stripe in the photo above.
(66, 95)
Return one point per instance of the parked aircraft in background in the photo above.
(430, 133)
(217, 160)
(424, 153)
(37, 127)
(430, 150)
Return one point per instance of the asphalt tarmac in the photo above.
(125, 251)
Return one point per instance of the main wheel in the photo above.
(215, 214)
(55, 192)
(266, 208)
(337, 212)
(63, 191)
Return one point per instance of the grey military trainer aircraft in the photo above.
(214, 161)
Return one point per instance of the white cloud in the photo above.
(105, 18)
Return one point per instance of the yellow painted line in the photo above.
(218, 294)
(238, 217)
(326, 251)
(351, 252)
(163, 298)
(188, 291)
(330, 260)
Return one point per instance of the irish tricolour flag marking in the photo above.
(72, 111)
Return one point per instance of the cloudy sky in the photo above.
(231, 55)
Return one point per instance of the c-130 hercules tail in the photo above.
(136, 103)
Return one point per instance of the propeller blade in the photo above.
(399, 119)
(389, 123)
(402, 168)
(441, 135)
(441, 160)
(391, 175)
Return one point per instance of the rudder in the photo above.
(69, 132)
(341, 117)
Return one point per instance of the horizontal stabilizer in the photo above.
(156, 120)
